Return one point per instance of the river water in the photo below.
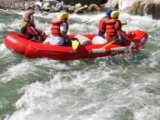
(111, 88)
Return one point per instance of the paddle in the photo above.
(108, 44)
(119, 38)
(102, 49)
(75, 43)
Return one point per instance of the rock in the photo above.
(124, 4)
(112, 4)
(141, 7)
(21, 4)
(83, 2)
(16, 4)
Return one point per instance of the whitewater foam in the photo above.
(2, 26)
(19, 70)
(4, 52)
(57, 98)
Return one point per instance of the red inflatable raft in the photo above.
(30, 49)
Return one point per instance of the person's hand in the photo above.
(119, 38)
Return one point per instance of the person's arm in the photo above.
(63, 29)
(120, 31)
(118, 27)
(64, 34)
(32, 20)
(100, 33)
(27, 15)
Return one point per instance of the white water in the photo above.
(119, 88)
(84, 96)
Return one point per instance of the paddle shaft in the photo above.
(107, 44)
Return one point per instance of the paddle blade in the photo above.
(75, 44)
(23, 23)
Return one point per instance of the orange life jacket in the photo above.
(55, 28)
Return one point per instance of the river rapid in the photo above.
(111, 88)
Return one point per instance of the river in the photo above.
(125, 87)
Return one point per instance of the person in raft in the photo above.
(101, 24)
(28, 27)
(113, 29)
(100, 38)
(59, 31)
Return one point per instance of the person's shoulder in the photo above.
(63, 23)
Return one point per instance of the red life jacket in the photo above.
(31, 32)
(101, 25)
(55, 28)
(110, 27)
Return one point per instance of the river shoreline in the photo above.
(15, 4)
(22, 4)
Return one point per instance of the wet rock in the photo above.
(141, 7)
(84, 2)
(124, 4)
(112, 4)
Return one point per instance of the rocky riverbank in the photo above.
(141, 7)
(22, 4)
(16, 4)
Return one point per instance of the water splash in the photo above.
(19, 70)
